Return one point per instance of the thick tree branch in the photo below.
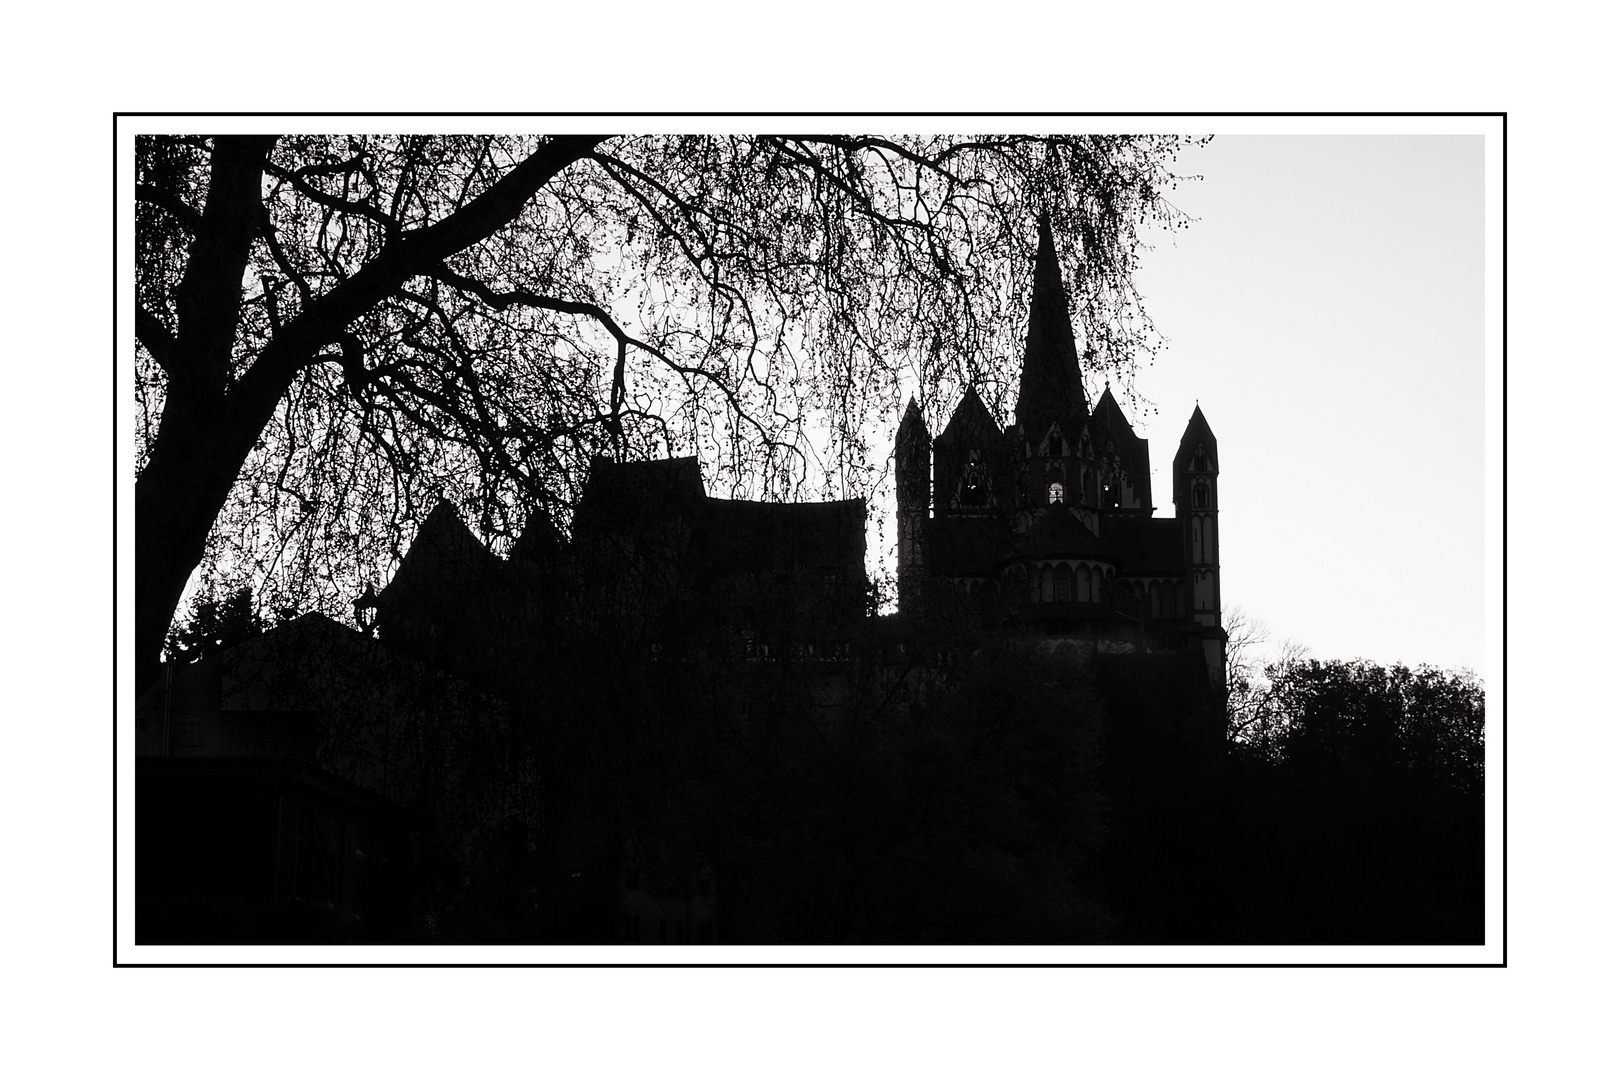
(412, 254)
(352, 165)
(151, 332)
(188, 218)
(267, 229)
(332, 202)
(209, 297)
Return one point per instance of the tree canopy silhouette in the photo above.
(335, 331)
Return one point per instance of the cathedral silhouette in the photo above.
(1043, 529)
(503, 736)
(1047, 525)
(1040, 534)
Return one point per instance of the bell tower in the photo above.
(1197, 496)
(912, 445)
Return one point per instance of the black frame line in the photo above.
(1501, 733)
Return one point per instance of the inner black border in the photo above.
(1501, 695)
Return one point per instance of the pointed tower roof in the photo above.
(1050, 387)
(1198, 433)
(1108, 422)
(912, 424)
(971, 415)
(911, 453)
(444, 558)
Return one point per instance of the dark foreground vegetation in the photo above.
(952, 787)
(1348, 809)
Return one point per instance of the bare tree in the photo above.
(1253, 719)
(335, 331)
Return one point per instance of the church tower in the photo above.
(1197, 496)
(1051, 414)
(1047, 527)
(911, 467)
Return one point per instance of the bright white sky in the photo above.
(1328, 311)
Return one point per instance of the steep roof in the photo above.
(912, 423)
(461, 607)
(444, 552)
(1049, 387)
(971, 417)
(1108, 423)
(971, 429)
(1198, 433)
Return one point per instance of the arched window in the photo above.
(1082, 585)
(1054, 493)
(1046, 583)
(1200, 462)
(1096, 585)
(1157, 595)
(1200, 496)
(1063, 584)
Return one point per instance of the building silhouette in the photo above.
(491, 754)
(1042, 528)
(304, 783)
(1046, 526)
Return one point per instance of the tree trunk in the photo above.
(190, 469)
(195, 460)
(209, 425)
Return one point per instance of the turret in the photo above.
(911, 467)
(1194, 482)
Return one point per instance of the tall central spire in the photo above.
(1050, 387)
